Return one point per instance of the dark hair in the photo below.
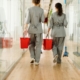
(36, 1)
(59, 7)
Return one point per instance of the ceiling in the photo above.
(44, 3)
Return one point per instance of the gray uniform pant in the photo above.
(58, 47)
(35, 46)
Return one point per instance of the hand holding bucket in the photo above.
(24, 41)
(25, 33)
(47, 43)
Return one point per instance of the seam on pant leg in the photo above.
(38, 47)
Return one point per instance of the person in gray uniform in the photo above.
(57, 23)
(35, 17)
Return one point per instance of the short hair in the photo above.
(36, 1)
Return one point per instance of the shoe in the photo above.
(32, 60)
(41, 52)
(58, 62)
(55, 59)
(36, 63)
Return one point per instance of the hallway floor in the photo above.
(45, 71)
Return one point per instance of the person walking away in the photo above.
(57, 23)
(35, 17)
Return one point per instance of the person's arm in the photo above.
(27, 20)
(42, 17)
(50, 25)
(25, 26)
(65, 21)
(49, 30)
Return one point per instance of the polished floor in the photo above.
(45, 71)
(8, 57)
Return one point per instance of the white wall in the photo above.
(12, 12)
(1, 3)
(11, 9)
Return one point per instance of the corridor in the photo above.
(15, 61)
(47, 70)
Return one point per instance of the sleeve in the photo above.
(28, 19)
(65, 21)
(51, 22)
(42, 17)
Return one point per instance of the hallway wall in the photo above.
(11, 17)
(12, 27)
(73, 33)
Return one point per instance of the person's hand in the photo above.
(25, 32)
(47, 35)
(25, 26)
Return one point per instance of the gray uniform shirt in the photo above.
(57, 23)
(35, 17)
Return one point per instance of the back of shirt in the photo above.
(35, 17)
(57, 23)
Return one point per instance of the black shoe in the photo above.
(32, 61)
(58, 62)
(41, 52)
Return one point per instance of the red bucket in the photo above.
(7, 42)
(24, 42)
(47, 44)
